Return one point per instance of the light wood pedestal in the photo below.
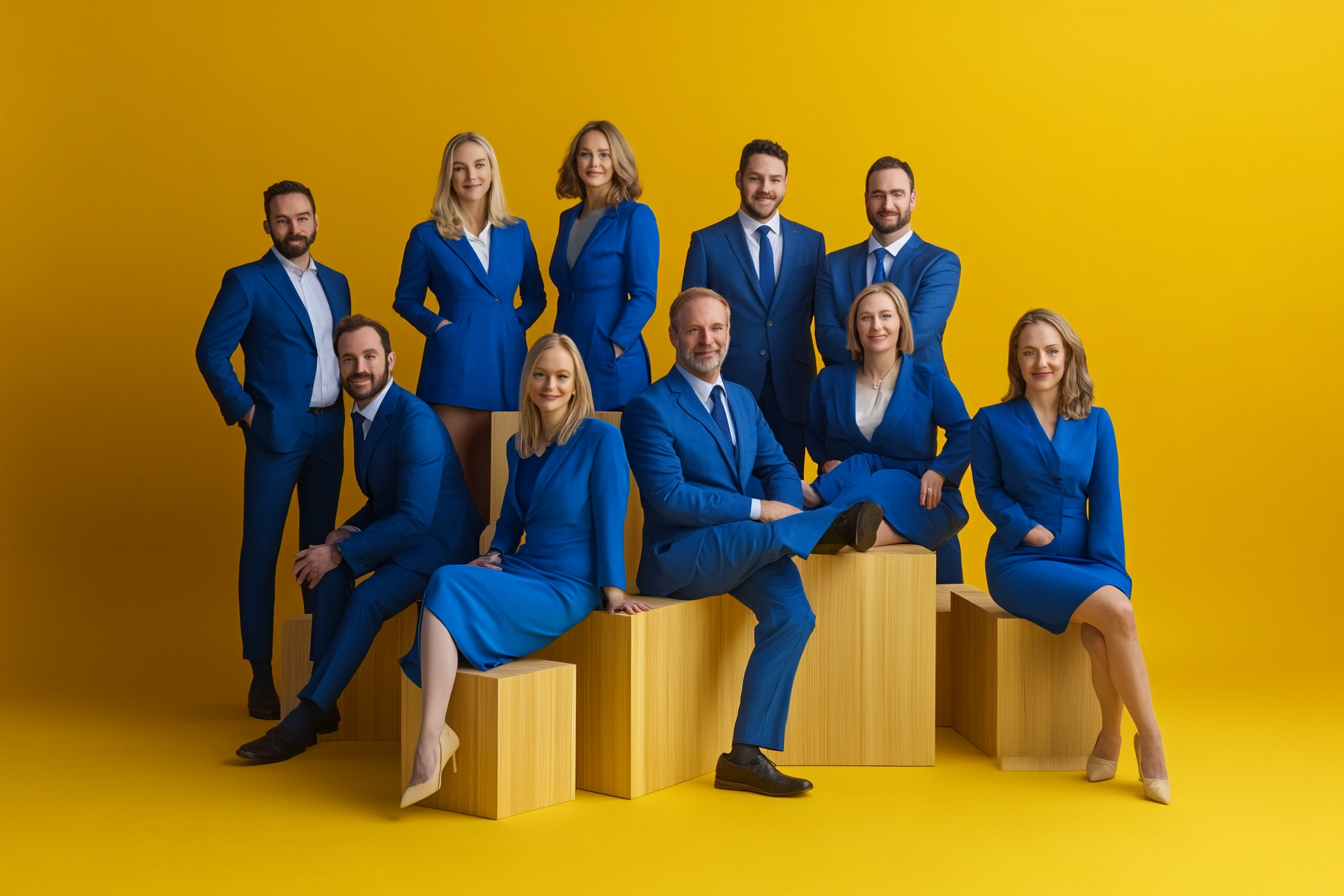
(943, 710)
(1021, 693)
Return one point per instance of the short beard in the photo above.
(286, 249)
(902, 221)
(703, 366)
(377, 384)
(746, 202)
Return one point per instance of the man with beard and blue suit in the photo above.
(926, 275)
(694, 441)
(280, 310)
(419, 516)
(772, 271)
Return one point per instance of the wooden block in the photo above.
(657, 692)
(371, 704)
(943, 712)
(865, 689)
(505, 424)
(1020, 693)
(516, 723)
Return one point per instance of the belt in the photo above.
(330, 407)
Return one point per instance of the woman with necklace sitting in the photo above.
(872, 429)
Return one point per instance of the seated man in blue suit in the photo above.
(772, 271)
(280, 309)
(419, 516)
(926, 275)
(694, 441)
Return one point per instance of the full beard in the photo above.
(361, 389)
(294, 245)
(703, 366)
(901, 221)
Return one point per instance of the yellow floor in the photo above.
(101, 801)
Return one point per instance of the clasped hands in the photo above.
(930, 485)
(314, 562)
(614, 599)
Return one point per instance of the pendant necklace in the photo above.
(878, 385)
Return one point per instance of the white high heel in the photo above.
(1156, 789)
(448, 744)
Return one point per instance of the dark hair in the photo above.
(352, 322)
(282, 188)
(885, 164)
(763, 148)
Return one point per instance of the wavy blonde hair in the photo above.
(530, 434)
(624, 176)
(1075, 389)
(446, 211)
(905, 345)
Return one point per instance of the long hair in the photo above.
(1075, 388)
(446, 211)
(624, 174)
(905, 345)
(530, 435)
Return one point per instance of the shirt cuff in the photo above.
(349, 528)
(756, 508)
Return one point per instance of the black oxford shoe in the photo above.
(330, 722)
(757, 775)
(264, 705)
(275, 745)
(855, 528)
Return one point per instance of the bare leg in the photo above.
(1109, 611)
(438, 671)
(1108, 741)
(888, 535)
(469, 428)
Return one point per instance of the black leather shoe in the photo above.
(330, 722)
(758, 775)
(264, 705)
(275, 745)
(855, 528)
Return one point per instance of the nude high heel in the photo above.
(1099, 769)
(448, 744)
(1156, 789)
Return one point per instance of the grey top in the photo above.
(578, 235)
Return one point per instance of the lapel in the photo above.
(548, 471)
(905, 256)
(1043, 444)
(499, 270)
(790, 237)
(380, 424)
(690, 403)
(858, 272)
(463, 250)
(327, 285)
(606, 222)
(560, 273)
(738, 240)
(278, 277)
(902, 398)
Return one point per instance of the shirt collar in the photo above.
(292, 267)
(370, 410)
(874, 245)
(751, 225)
(702, 388)
(482, 237)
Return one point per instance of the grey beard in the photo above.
(704, 366)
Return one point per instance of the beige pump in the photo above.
(1156, 789)
(448, 744)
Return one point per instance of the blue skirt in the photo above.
(863, 477)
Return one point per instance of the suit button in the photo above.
(307, 385)
(769, 323)
(314, 354)
(762, 352)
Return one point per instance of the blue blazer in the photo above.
(907, 438)
(691, 476)
(259, 309)
(608, 297)
(477, 360)
(926, 275)
(419, 513)
(588, 474)
(778, 331)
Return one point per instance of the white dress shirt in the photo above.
(892, 250)
(750, 225)
(327, 379)
(870, 405)
(481, 243)
(705, 392)
(370, 410)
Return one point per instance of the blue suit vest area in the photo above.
(477, 360)
(926, 275)
(419, 513)
(775, 331)
(608, 297)
(258, 309)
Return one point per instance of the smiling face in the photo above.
(594, 161)
(472, 174)
(1042, 357)
(365, 368)
(292, 224)
(700, 335)
(890, 200)
(879, 324)
(551, 387)
(762, 185)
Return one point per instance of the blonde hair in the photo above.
(446, 212)
(1075, 389)
(530, 435)
(905, 344)
(624, 176)
(690, 295)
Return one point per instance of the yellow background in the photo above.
(1166, 175)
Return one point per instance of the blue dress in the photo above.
(1071, 486)
(888, 467)
(608, 297)
(477, 360)
(575, 525)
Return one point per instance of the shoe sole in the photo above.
(265, 760)
(747, 788)
(267, 717)
(865, 530)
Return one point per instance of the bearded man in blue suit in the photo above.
(280, 309)
(694, 441)
(772, 271)
(928, 276)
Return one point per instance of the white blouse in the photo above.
(870, 404)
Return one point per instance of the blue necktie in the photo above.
(880, 269)
(358, 420)
(767, 256)
(720, 415)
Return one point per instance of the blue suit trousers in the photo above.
(314, 466)
(791, 436)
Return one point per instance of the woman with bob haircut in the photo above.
(872, 427)
(605, 263)
(1047, 476)
(568, 487)
(476, 258)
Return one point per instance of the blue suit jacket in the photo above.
(608, 297)
(259, 309)
(477, 360)
(926, 275)
(907, 437)
(418, 513)
(777, 331)
(691, 476)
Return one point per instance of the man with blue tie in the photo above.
(280, 310)
(928, 276)
(694, 442)
(772, 271)
(418, 516)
